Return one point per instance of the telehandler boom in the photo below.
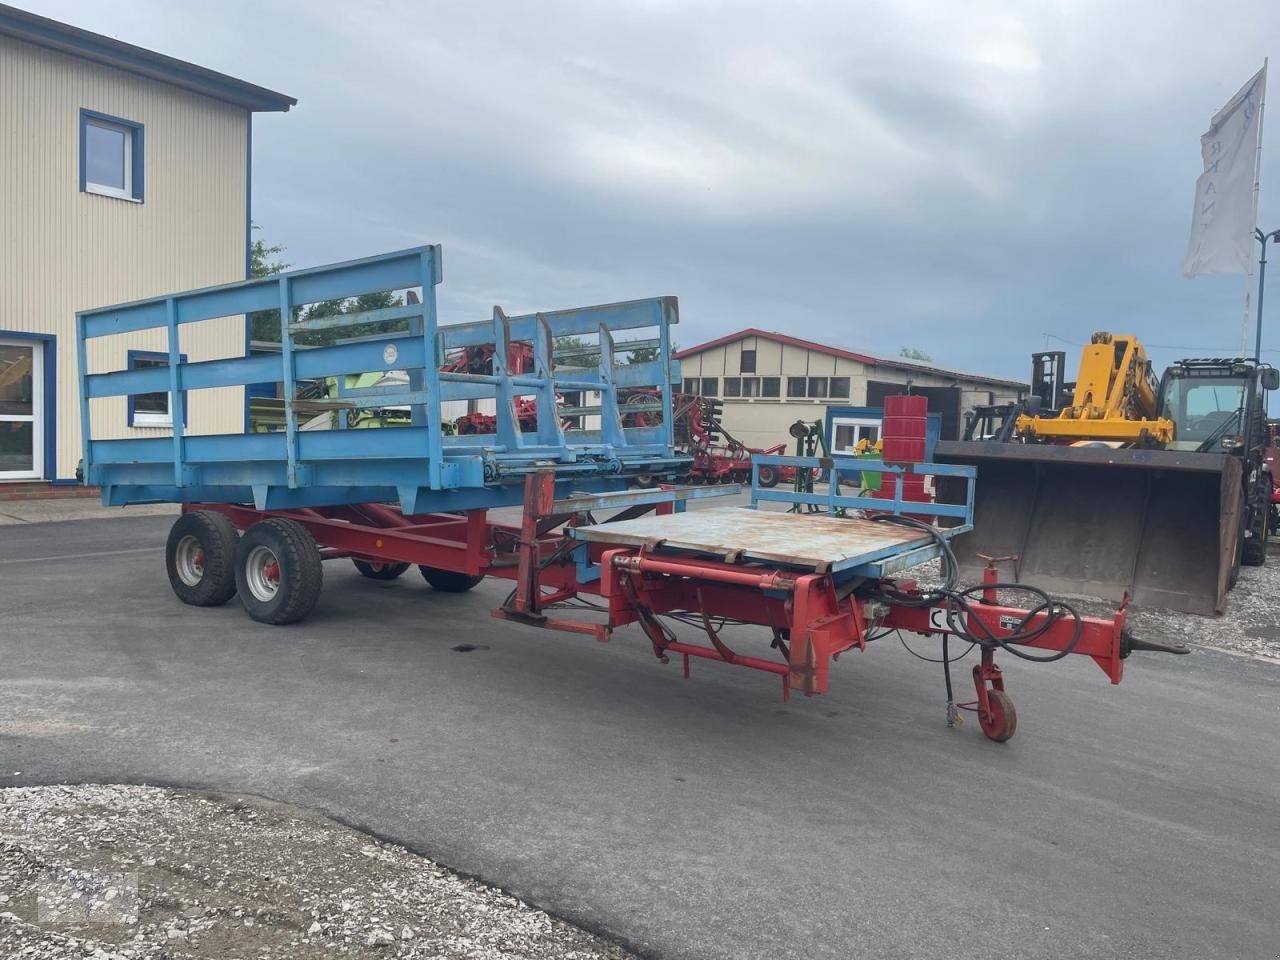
(1114, 399)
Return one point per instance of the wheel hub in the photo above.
(262, 573)
(189, 560)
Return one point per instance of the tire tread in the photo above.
(389, 571)
(297, 553)
(218, 536)
(448, 581)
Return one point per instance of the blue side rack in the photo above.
(954, 518)
(417, 465)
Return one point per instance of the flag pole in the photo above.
(1257, 175)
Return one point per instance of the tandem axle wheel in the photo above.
(199, 557)
(275, 566)
(278, 571)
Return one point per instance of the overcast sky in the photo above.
(965, 178)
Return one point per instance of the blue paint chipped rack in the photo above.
(417, 465)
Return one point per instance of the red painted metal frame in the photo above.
(1099, 640)
(813, 618)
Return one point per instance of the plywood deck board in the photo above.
(817, 541)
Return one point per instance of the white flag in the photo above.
(1226, 211)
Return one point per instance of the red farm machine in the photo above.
(603, 541)
(716, 456)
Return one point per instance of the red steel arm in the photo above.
(1102, 640)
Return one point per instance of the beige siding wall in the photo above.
(761, 422)
(62, 250)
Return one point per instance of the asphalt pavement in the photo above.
(698, 818)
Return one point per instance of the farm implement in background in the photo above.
(717, 456)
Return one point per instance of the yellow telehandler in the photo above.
(1121, 483)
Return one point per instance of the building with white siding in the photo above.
(124, 174)
(770, 380)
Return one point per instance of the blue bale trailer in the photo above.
(418, 466)
(262, 511)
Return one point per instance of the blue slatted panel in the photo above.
(418, 462)
(838, 466)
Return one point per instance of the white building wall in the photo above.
(62, 250)
(763, 422)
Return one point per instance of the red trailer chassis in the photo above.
(812, 615)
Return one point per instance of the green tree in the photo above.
(361, 304)
(645, 354)
(581, 353)
(914, 353)
(261, 253)
(264, 262)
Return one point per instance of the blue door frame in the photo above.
(932, 425)
(49, 409)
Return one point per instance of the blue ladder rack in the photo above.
(416, 465)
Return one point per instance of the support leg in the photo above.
(996, 714)
(539, 494)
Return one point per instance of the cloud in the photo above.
(967, 178)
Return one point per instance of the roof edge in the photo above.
(56, 35)
(865, 358)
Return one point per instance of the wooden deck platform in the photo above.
(812, 541)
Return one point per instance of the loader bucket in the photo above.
(1162, 526)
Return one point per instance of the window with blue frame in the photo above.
(111, 156)
(152, 409)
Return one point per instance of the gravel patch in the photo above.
(1250, 626)
(126, 873)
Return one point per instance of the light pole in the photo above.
(1274, 236)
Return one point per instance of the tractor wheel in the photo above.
(768, 476)
(448, 581)
(1253, 552)
(1001, 721)
(200, 558)
(278, 571)
(378, 569)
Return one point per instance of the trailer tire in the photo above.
(278, 571)
(768, 476)
(448, 581)
(199, 557)
(378, 570)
